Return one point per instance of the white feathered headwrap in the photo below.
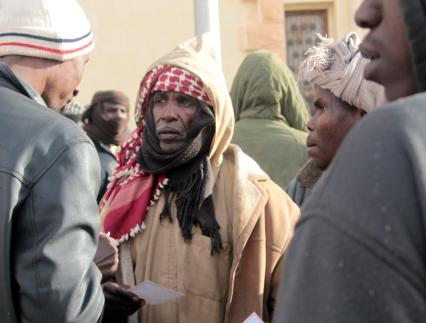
(339, 67)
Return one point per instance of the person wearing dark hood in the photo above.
(358, 253)
(105, 122)
(270, 115)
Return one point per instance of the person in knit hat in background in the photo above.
(342, 98)
(49, 175)
(105, 122)
(270, 116)
(191, 211)
(358, 253)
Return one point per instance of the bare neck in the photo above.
(32, 70)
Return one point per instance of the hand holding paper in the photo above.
(120, 302)
(154, 294)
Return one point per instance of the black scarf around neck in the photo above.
(190, 175)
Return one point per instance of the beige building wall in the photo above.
(132, 34)
(340, 13)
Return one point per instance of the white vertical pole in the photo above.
(207, 20)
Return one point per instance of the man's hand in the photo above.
(119, 302)
(106, 257)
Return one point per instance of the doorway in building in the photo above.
(300, 29)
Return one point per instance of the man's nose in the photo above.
(368, 14)
(75, 92)
(121, 113)
(311, 124)
(169, 112)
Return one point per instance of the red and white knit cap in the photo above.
(52, 29)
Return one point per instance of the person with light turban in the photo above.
(342, 98)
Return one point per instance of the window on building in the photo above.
(300, 29)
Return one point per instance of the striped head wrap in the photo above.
(51, 29)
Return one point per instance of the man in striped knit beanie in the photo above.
(49, 169)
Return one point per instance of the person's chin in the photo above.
(56, 104)
(170, 146)
(375, 72)
(315, 155)
(321, 165)
(313, 151)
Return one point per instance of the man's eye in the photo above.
(186, 102)
(159, 100)
(320, 107)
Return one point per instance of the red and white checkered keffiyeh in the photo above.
(131, 192)
(169, 78)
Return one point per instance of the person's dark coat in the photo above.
(49, 223)
(300, 187)
(108, 163)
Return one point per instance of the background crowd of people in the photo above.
(242, 201)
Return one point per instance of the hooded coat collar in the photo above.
(265, 88)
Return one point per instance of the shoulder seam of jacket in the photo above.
(57, 156)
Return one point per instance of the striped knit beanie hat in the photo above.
(51, 29)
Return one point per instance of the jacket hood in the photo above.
(415, 19)
(264, 87)
(197, 56)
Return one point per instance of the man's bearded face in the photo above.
(173, 113)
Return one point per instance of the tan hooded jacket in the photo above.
(255, 215)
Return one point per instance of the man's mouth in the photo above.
(310, 142)
(368, 52)
(311, 146)
(168, 133)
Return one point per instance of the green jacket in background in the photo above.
(270, 116)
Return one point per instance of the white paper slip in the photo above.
(154, 294)
(253, 318)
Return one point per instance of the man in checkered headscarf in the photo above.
(187, 207)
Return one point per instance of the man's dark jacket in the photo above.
(108, 163)
(49, 177)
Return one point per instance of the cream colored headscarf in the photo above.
(339, 67)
